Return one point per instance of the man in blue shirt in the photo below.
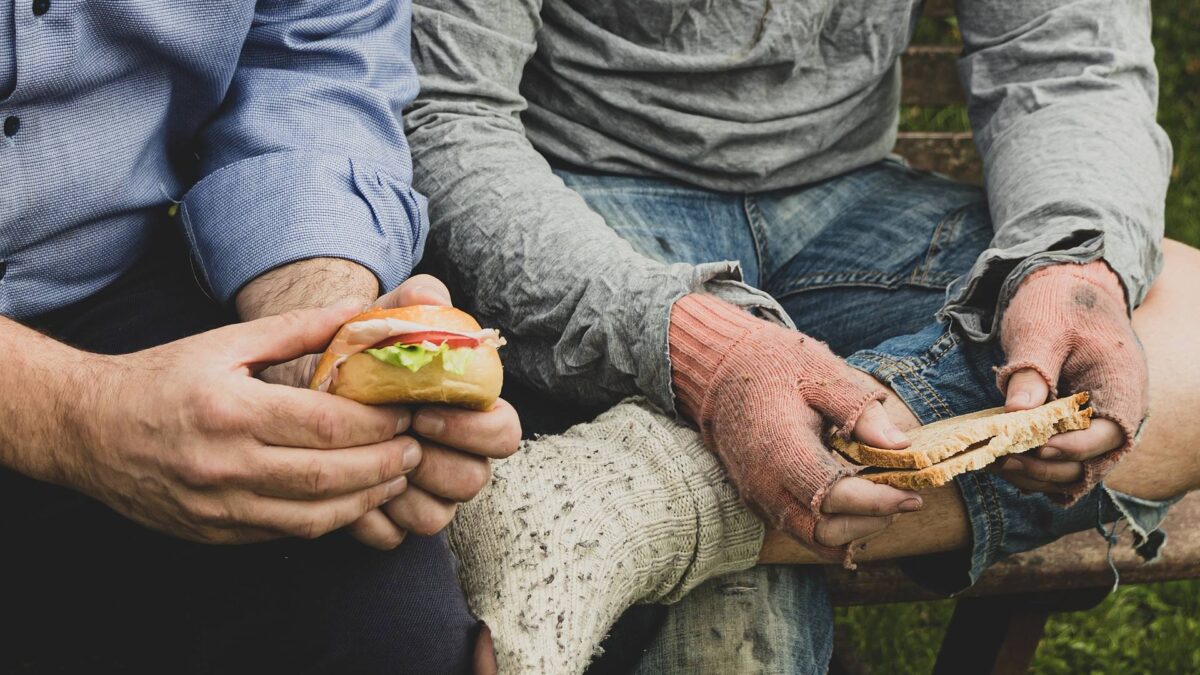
(267, 134)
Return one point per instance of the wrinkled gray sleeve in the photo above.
(1062, 99)
(585, 315)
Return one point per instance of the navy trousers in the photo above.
(84, 590)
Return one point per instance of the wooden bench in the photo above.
(998, 623)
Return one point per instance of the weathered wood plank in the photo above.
(938, 9)
(950, 153)
(930, 75)
(1075, 561)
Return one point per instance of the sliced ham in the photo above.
(362, 335)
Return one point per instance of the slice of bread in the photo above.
(941, 440)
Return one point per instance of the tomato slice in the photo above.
(437, 337)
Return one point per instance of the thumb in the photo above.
(283, 337)
(422, 289)
(1027, 388)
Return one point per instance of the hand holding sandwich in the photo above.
(456, 443)
(762, 396)
(1070, 322)
(184, 439)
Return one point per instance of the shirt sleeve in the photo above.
(586, 315)
(1062, 98)
(307, 157)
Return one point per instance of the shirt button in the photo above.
(40, 7)
(12, 124)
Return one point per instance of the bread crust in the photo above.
(366, 379)
(968, 443)
(940, 440)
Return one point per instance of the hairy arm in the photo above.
(41, 424)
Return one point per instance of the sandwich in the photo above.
(946, 448)
(417, 354)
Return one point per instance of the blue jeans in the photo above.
(861, 261)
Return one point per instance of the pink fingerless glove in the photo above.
(1069, 321)
(758, 392)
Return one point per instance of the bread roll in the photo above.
(345, 369)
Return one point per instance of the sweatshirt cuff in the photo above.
(260, 213)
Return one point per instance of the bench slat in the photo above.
(1073, 562)
(948, 152)
(938, 9)
(930, 76)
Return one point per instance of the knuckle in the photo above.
(211, 514)
(317, 478)
(315, 526)
(475, 476)
(327, 427)
(430, 521)
(214, 412)
(200, 472)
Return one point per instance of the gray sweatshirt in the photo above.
(745, 96)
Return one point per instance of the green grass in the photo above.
(1152, 629)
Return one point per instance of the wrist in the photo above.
(1097, 273)
(704, 330)
(86, 395)
(316, 282)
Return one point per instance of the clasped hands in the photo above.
(185, 439)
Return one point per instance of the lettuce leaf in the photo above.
(416, 357)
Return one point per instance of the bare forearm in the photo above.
(48, 388)
(318, 282)
(940, 526)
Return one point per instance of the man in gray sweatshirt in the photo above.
(589, 164)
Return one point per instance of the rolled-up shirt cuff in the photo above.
(260, 213)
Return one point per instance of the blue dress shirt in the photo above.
(270, 129)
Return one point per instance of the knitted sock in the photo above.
(1069, 322)
(574, 529)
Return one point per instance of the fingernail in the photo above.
(429, 423)
(1050, 453)
(403, 421)
(1012, 464)
(895, 436)
(913, 504)
(412, 455)
(1021, 398)
(395, 486)
(436, 289)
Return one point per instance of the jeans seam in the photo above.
(863, 278)
(758, 234)
(993, 518)
(906, 372)
(945, 230)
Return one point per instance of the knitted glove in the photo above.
(1069, 323)
(761, 395)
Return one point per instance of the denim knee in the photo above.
(938, 376)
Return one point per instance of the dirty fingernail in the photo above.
(1050, 453)
(913, 504)
(1012, 464)
(428, 423)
